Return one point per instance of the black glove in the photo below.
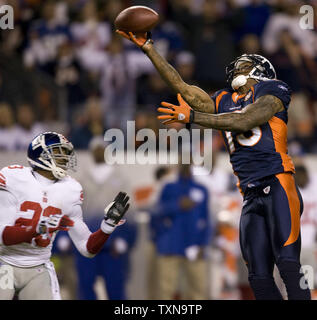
(115, 211)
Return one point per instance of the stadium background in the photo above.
(63, 68)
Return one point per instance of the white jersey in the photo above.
(25, 196)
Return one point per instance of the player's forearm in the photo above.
(196, 97)
(96, 241)
(253, 115)
(225, 121)
(167, 72)
(87, 243)
(12, 235)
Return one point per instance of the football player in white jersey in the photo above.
(35, 203)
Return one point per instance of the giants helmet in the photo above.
(262, 68)
(53, 152)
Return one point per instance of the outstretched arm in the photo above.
(89, 244)
(196, 97)
(81, 236)
(86, 242)
(255, 114)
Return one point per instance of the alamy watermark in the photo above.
(307, 281)
(6, 17)
(6, 277)
(169, 147)
(306, 22)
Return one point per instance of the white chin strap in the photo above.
(57, 172)
(239, 81)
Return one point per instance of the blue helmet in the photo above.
(53, 152)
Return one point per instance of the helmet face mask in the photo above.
(242, 66)
(262, 69)
(51, 151)
(62, 155)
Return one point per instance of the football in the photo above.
(136, 19)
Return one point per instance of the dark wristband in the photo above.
(192, 116)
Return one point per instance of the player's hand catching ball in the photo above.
(182, 113)
(141, 39)
(114, 213)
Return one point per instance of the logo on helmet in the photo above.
(51, 151)
(262, 70)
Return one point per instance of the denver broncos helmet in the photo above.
(262, 69)
(53, 152)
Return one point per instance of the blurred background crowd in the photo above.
(63, 68)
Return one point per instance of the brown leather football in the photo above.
(136, 19)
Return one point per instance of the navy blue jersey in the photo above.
(262, 151)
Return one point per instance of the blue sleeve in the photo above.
(198, 228)
(275, 88)
(206, 233)
(168, 204)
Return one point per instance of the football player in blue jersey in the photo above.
(252, 116)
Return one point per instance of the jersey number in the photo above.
(244, 139)
(40, 240)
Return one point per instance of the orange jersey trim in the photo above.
(238, 183)
(279, 132)
(235, 97)
(252, 93)
(288, 184)
(218, 99)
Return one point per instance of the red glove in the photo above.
(182, 113)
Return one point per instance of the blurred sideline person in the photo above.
(218, 183)
(307, 184)
(181, 232)
(227, 240)
(163, 175)
(251, 113)
(146, 198)
(35, 203)
(101, 181)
